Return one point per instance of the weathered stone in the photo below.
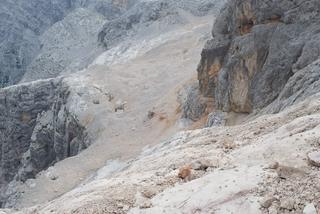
(193, 104)
(267, 201)
(273, 165)
(260, 52)
(149, 192)
(287, 204)
(151, 114)
(145, 13)
(52, 176)
(273, 209)
(216, 119)
(309, 209)
(314, 158)
(96, 101)
(286, 172)
(185, 172)
(120, 106)
(36, 130)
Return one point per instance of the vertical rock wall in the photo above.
(257, 47)
(36, 130)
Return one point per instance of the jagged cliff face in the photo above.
(263, 54)
(21, 25)
(37, 130)
(41, 39)
(257, 53)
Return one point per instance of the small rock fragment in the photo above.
(286, 172)
(314, 158)
(149, 193)
(287, 204)
(273, 209)
(120, 106)
(52, 176)
(96, 101)
(146, 205)
(110, 97)
(267, 201)
(201, 165)
(185, 172)
(150, 115)
(273, 165)
(309, 209)
(228, 145)
(217, 118)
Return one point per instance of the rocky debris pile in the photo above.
(67, 46)
(290, 190)
(262, 53)
(152, 16)
(37, 130)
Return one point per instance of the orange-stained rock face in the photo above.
(257, 47)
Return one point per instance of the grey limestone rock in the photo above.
(21, 24)
(36, 130)
(193, 104)
(42, 38)
(162, 13)
(67, 46)
(217, 118)
(259, 49)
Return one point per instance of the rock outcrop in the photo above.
(37, 130)
(262, 52)
(192, 104)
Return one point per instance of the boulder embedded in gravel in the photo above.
(309, 209)
(314, 158)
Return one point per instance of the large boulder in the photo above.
(257, 47)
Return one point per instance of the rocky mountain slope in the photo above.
(258, 94)
(44, 37)
(227, 170)
(54, 119)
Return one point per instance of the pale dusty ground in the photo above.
(236, 156)
(147, 80)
